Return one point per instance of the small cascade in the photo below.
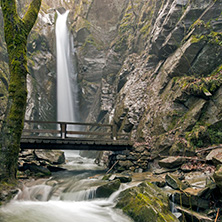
(81, 195)
(66, 196)
(173, 208)
(34, 193)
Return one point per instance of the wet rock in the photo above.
(171, 162)
(193, 216)
(54, 157)
(127, 164)
(218, 177)
(164, 170)
(145, 203)
(122, 178)
(175, 183)
(34, 168)
(55, 168)
(190, 197)
(107, 189)
(7, 193)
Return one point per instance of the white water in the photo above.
(66, 197)
(67, 89)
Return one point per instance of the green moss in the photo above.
(121, 45)
(196, 38)
(201, 86)
(93, 41)
(203, 135)
(145, 203)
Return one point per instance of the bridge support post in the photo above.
(63, 130)
(114, 132)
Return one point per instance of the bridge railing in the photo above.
(72, 130)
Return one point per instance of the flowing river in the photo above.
(68, 196)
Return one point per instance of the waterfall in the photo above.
(67, 89)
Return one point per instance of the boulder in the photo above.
(122, 178)
(217, 159)
(213, 153)
(218, 177)
(171, 162)
(107, 189)
(145, 203)
(54, 157)
(55, 168)
(190, 197)
(175, 183)
(38, 170)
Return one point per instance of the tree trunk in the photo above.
(16, 34)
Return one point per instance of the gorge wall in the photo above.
(153, 68)
(159, 70)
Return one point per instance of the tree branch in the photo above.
(31, 15)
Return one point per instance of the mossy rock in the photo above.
(107, 189)
(218, 177)
(146, 203)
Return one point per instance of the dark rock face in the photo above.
(156, 74)
(167, 89)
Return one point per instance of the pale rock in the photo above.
(171, 162)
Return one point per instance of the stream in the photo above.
(68, 196)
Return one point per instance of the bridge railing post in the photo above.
(63, 130)
(114, 132)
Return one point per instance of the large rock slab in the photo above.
(36, 169)
(51, 156)
(146, 203)
(190, 197)
(213, 153)
(175, 183)
(171, 162)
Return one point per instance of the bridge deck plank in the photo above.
(74, 144)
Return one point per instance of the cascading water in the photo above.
(67, 89)
(65, 197)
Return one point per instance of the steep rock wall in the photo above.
(169, 93)
(161, 77)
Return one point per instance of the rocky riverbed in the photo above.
(174, 188)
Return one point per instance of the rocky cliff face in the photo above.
(162, 74)
(153, 68)
(170, 92)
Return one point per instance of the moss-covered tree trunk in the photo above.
(16, 34)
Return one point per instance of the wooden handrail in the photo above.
(69, 123)
(63, 131)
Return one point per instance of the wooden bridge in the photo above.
(73, 136)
